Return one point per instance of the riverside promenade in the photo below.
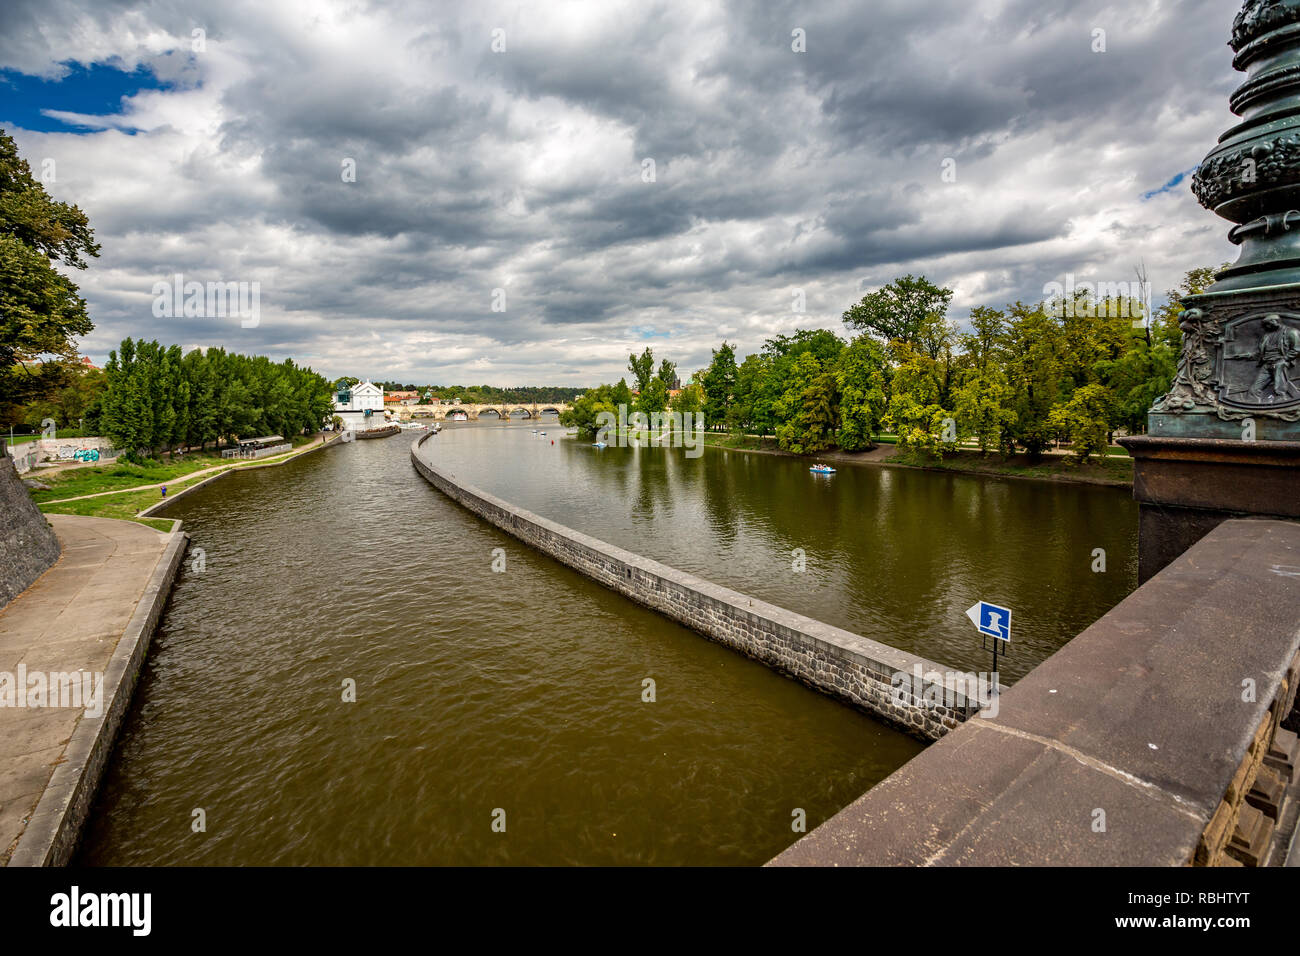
(93, 612)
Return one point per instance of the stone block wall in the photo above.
(837, 662)
(28, 545)
(1242, 830)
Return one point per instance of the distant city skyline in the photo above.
(610, 175)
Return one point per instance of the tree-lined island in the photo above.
(1022, 378)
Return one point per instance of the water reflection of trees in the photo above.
(894, 554)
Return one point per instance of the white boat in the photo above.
(599, 444)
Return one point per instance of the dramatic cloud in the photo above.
(210, 140)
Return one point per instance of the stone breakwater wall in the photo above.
(844, 665)
(28, 545)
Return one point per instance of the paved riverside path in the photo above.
(70, 620)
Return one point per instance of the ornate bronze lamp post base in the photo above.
(1186, 486)
(1225, 441)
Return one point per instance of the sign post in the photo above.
(994, 622)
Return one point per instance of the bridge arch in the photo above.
(456, 409)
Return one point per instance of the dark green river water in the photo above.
(518, 695)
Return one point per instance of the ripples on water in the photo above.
(476, 690)
(897, 555)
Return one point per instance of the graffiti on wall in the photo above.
(73, 453)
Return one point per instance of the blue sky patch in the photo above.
(1169, 186)
(96, 90)
(645, 332)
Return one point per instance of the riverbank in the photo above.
(91, 618)
(132, 492)
(1115, 472)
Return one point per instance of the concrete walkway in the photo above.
(71, 619)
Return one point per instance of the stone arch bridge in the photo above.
(447, 412)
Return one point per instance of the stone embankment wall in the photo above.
(837, 662)
(28, 545)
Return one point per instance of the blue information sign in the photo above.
(991, 620)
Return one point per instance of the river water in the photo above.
(518, 697)
(897, 555)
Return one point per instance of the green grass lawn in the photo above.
(1115, 451)
(125, 505)
(1116, 468)
(744, 442)
(1112, 470)
(93, 479)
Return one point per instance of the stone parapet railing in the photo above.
(1156, 737)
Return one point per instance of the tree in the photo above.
(719, 383)
(915, 411)
(1084, 420)
(823, 344)
(982, 407)
(200, 418)
(126, 414)
(156, 398)
(816, 416)
(667, 372)
(899, 310)
(751, 406)
(982, 401)
(654, 397)
(1141, 374)
(620, 395)
(690, 400)
(76, 401)
(983, 344)
(860, 377)
(583, 411)
(642, 368)
(1034, 373)
(40, 309)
